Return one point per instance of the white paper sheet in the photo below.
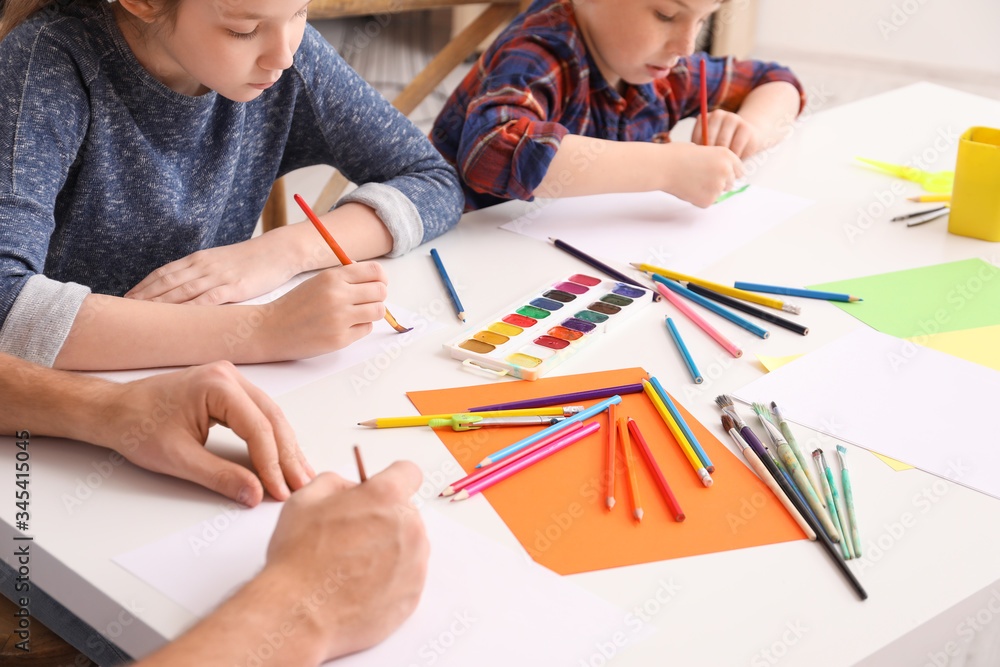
(482, 605)
(381, 346)
(657, 228)
(920, 406)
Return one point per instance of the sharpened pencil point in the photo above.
(447, 492)
(609, 501)
(370, 423)
(637, 514)
(461, 495)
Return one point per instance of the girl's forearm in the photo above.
(111, 333)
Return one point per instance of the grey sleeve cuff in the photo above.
(40, 319)
(396, 211)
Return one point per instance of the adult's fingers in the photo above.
(294, 465)
(229, 403)
(229, 479)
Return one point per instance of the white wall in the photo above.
(930, 34)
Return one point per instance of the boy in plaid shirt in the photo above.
(577, 97)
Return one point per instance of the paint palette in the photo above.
(538, 332)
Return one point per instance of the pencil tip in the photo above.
(609, 501)
(638, 514)
(369, 423)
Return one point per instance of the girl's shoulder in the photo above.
(63, 33)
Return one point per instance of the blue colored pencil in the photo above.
(676, 335)
(676, 414)
(558, 426)
(459, 310)
(795, 291)
(705, 303)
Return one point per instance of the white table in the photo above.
(719, 611)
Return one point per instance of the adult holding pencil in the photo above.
(359, 548)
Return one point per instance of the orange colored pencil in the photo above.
(341, 255)
(633, 479)
(661, 481)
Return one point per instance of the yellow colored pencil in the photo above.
(633, 479)
(930, 198)
(424, 420)
(685, 446)
(744, 295)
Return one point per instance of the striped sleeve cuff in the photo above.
(397, 212)
(40, 319)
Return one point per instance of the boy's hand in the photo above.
(363, 546)
(329, 311)
(699, 174)
(227, 274)
(731, 131)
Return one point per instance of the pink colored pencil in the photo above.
(661, 481)
(700, 321)
(609, 465)
(527, 461)
(704, 103)
(516, 456)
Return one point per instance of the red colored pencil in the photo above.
(455, 487)
(527, 461)
(704, 103)
(661, 481)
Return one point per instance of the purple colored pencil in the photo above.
(562, 399)
(597, 264)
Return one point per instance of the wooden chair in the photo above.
(453, 54)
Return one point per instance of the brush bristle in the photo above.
(817, 453)
(727, 423)
(762, 411)
(724, 401)
(841, 449)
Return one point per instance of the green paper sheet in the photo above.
(925, 301)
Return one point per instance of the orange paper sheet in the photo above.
(556, 508)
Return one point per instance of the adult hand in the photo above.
(161, 423)
(360, 548)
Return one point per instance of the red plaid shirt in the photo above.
(504, 123)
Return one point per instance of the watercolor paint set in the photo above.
(540, 331)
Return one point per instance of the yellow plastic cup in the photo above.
(975, 201)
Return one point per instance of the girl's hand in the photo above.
(731, 131)
(699, 174)
(226, 274)
(329, 311)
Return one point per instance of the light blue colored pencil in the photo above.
(676, 335)
(676, 414)
(558, 426)
(715, 308)
(459, 310)
(796, 291)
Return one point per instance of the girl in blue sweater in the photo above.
(139, 140)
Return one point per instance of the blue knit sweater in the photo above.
(106, 174)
